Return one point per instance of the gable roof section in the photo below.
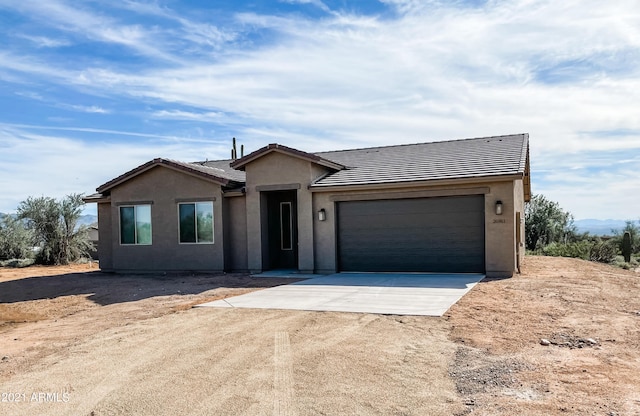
(455, 159)
(496, 156)
(223, 166)
(274, 147)
(214, 172)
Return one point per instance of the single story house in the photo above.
(450, 206)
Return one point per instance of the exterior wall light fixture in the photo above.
(322, 215)
(498, 207)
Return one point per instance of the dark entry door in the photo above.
(282, 216)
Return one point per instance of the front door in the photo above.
(282, 216)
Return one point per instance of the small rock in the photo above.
(5, 358)
(545, 341)
(592, 341)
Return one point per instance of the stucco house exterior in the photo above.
(451, 206)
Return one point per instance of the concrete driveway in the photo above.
(383, 293)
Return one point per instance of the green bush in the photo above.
(16, 263)
(16, 242)
(594, 250)
(579, 249)
(633, 264)
(53, 224)
(603, 252)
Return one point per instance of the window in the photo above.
(286, 226)
(196, 222)
(135, 224)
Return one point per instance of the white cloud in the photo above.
(81, 22)
(317, 3)
(45, 42)
(54, 165)
(88, 109)
(186, 115)
(566, 72)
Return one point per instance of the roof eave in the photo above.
(96, 198)
(415, 183)
(166, 163)
(526, 177)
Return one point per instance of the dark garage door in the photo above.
(412, 235)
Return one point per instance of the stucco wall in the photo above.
(280, 172)
(235, 223)
(519, 204)
(164, 188)
(500, 231)
(105, 243)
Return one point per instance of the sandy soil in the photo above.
(79, 342)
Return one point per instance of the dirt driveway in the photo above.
(75, 341)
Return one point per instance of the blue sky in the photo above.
(91, 89)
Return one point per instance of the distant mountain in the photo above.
(599, 227)
(87, 219)
(83, 220)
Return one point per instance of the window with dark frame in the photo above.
(196, 222)
(135, 225)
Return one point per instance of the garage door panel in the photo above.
(422, 234)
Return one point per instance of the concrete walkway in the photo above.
(383, 293)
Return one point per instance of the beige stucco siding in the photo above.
(164, 188)
(235, 223)
(519, 205)
(105, 240)
(278, 171)
(500, 231)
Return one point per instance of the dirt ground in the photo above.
(75, 341)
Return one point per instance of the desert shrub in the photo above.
(16, 263)
(589, 249)
(634, 231)
(16, 242)
(55, 230)
(579, 249)
(547, 223)
(603, 252)
(633, 264)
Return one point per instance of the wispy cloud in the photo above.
(86, 130)
(210, 117)
(76, 19)
(54, 165)
(566, 72)
(317, 3)
(88, 109)
(44, 41)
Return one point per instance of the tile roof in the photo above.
(454, 159)
(223, 169)
(214, 171)
(274, 147)
(467, 158)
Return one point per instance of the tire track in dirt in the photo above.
(166, 384)
(93, 377)
(122, 373)
(283, 404)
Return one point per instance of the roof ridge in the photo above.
(200, 162)
(421, 143)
